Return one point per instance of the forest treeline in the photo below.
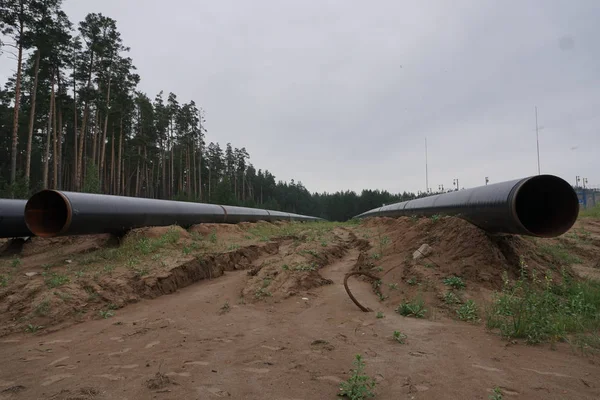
(72, 118)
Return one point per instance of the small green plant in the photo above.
(225, 308)
(393, 286)
(429, 265)
(306, 267)
(376, 256)
(399, 337)
(106, 314)
(436, 217)
(79, 274)
(454, 282)
(109, 268)
(542, 309)
(559, 254)
(113, 306)
(412, 281)
(142, 271)
(379, 314)
(43, 308)
(33, 328)
(382, 297)
(262, 292)
(468, 311)
(3, 281)
(132, 262)
(359, 386)
(187, 249)
(233, 247)
(323, 243)
(415, 308)
(213, 237)
(379, 269)
(496, 394)
(285, 267)
(55, 279)
(15, 262)
(450, 298)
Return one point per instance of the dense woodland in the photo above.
(72, 118)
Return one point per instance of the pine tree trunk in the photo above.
(75, 147)
(83, 125)
(103, 143)
(200, 173)
(111, 186)
(137, 180)
(47, 153)
(194, 172)
(32, 118)
(118, 191)
(54, 134)
(60, 134)
(15, 132)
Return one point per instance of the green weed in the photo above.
(454, 282)
(109, 268)
(496, 394)
(285, 267)
(213, 237)
(43, 308)
(540, 310)
(376, 256)
(262, 292)
(15, 262)
(379, 314)
(399, 337)
(412, 281)
(106, 313)
(593, 212)
(559, 254)
(225, 308)
(393, 286)
(451, 298)
(63, 296)
(55, 279)
(468, 311)
(3, 281)
(436, 217)
(359, 386)
(33, 328)
(142, 271)
(415, 308)
(306, 267)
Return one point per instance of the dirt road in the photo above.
(299, 347)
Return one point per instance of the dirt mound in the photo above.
(461, 252)
(159, 231)
(207, 229)
(294, 269)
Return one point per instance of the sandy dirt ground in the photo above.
(259, 311)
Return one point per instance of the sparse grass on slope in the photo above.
(539, 309)
(593, 212)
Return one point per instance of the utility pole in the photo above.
(585, 181)
(441, 187)
(455, 182)
(577, 179)
(426, 169)
(486, 180)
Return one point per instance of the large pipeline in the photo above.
(12, 219)
(543, 205)
(51, 213)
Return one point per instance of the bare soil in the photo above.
(259, 311)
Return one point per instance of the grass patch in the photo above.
(3, 281)
(15, 262)
(415, 308)
(43, 308)
(559, 254)
(379, 314)
(106, 313)
(54, 279)
(393, 286)
(468, 311)
(359, 385)
(496, 394)
(454, 282)
(593, 212)
(399, 337)
(306, 267)
(451, 298)
(544, 310)
(412, 281)
(33, 328)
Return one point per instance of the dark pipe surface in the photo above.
(542, 205)
(52, 213)
(12, 219)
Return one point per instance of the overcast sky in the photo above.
(342, 94)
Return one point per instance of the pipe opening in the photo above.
(47, 213)
(546, 206)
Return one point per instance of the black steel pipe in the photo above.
(543, 205)
(51, 213)
(12, 219)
